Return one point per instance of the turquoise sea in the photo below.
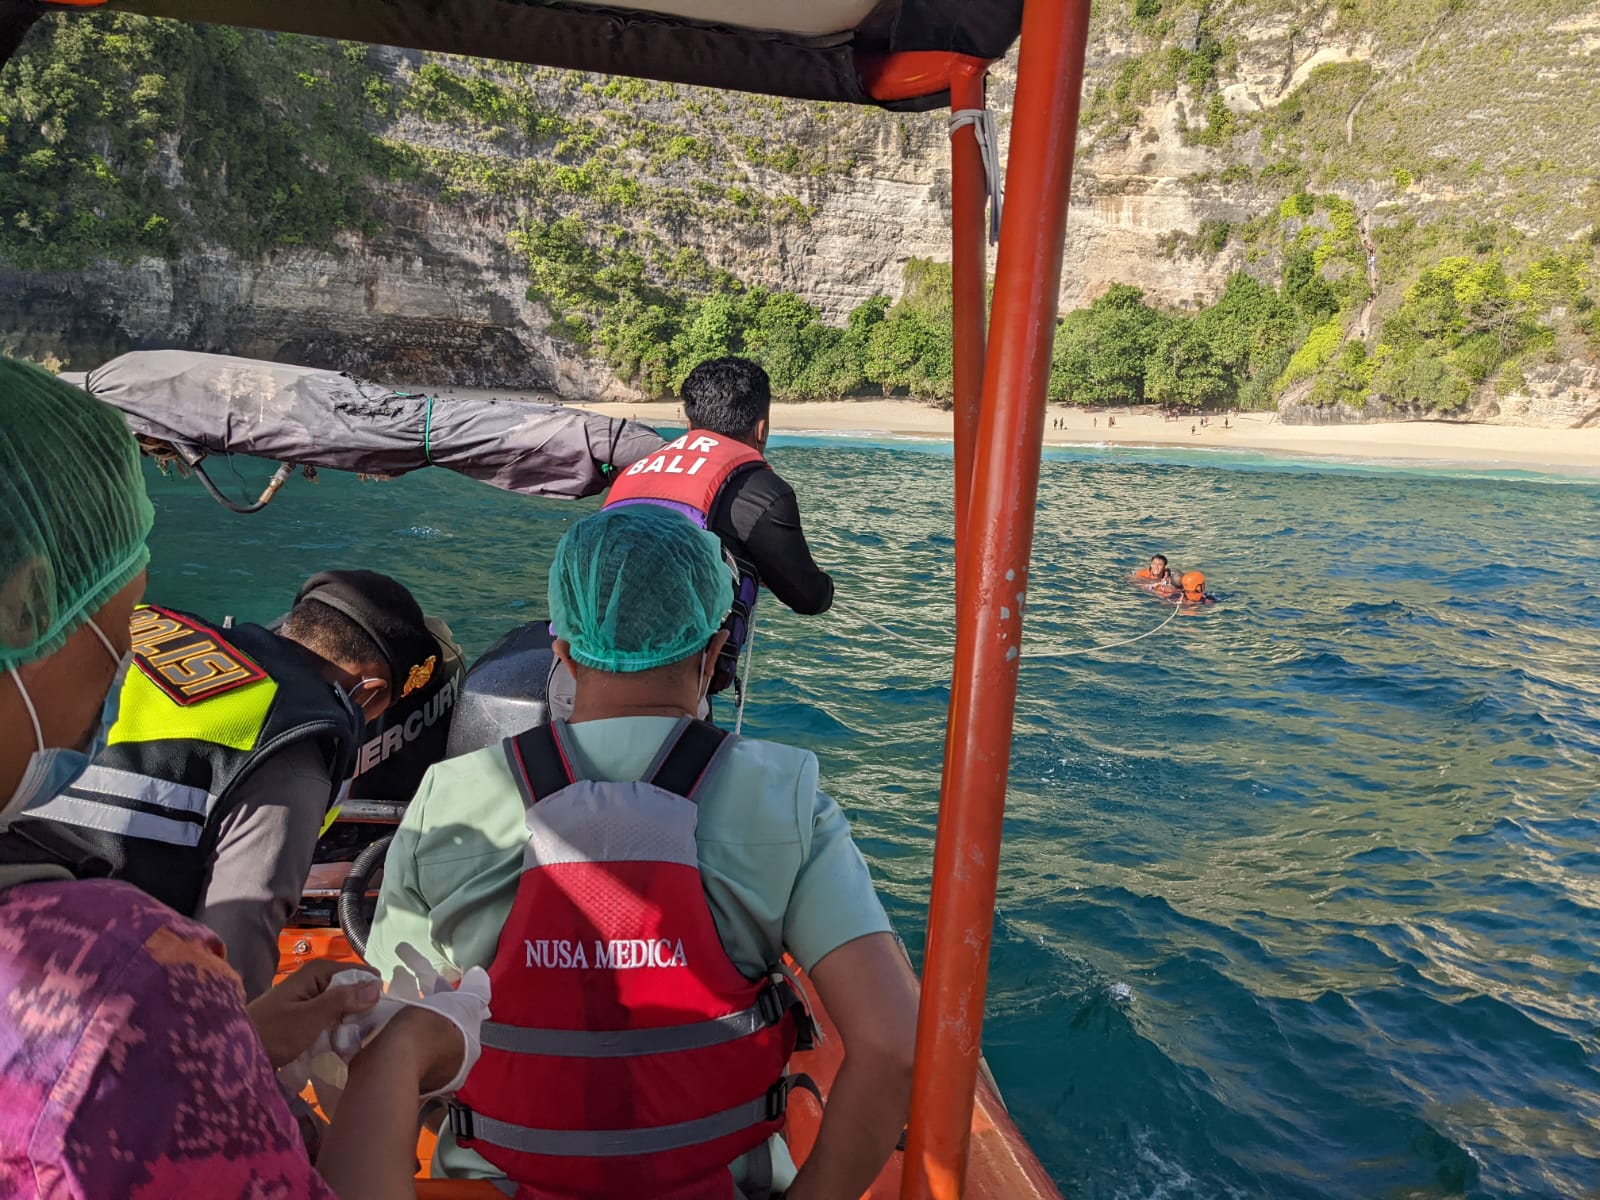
(1301, 895)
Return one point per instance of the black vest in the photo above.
(154, 807)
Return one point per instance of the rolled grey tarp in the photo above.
(216, 404)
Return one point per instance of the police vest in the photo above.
(687, 476)
(628, 1056)
(199, 713)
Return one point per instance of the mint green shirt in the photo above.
(779, 867)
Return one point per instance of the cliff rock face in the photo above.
(1555, 397)
(1200, 117)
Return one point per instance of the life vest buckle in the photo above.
(772, 1003)
(784, 995)
(778, 1098)
(460, 1121)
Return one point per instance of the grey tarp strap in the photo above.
(629, 1043)
(470, 1127)
(982, 122)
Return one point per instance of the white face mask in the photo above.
(705, 685)
(52, 769)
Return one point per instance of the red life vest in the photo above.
(628, 1056)
(686, 474)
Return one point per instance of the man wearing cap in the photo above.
(638, 595)
(230, 746)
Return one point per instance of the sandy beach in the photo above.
(1429, 441)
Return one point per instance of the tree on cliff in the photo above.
(1184, 371)
(1101, 351)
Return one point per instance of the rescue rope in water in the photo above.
(1176, 608)
(1039, 653)
(742, 685)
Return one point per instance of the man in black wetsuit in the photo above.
(716, 475)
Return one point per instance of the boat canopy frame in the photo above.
(850, 51)
(906, 54)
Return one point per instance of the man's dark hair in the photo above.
(727, 396)
(362, 617)
(330, 634)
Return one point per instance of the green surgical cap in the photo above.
(638, 586)
(73, 511)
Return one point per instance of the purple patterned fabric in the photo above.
(128, 1066)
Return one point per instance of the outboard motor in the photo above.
(504, 692)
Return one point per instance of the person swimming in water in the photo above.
(1194, 590)
(1158, 577)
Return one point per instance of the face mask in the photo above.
(357, 689)
(705, 687)
(53, 769)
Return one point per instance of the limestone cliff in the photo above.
(1439, 122)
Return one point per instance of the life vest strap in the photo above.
(541, 761)
(770, 1007)
(686, 760)
(469, 1127)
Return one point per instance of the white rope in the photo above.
(982, 122)
(891, 633)
(1176, 608)
(1039, 654)
(744, 684)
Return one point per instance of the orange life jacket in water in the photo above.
(1161, 585)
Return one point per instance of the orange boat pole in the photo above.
(983, 692)
(969, 272)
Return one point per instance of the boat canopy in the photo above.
(186, 406)
(845, 50)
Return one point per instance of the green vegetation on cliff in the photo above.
(1447, 139)
(1396, 201)
(122, 137)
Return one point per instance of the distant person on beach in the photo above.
(717, 475)
(1158, 577)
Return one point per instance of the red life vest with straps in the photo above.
(628, 1056)
(686, 474)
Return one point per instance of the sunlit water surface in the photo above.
(1299, 895)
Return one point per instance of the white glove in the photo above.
(404, 987)
(465, 1006)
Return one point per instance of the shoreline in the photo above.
(1437, 442)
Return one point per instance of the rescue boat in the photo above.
(911, 56)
